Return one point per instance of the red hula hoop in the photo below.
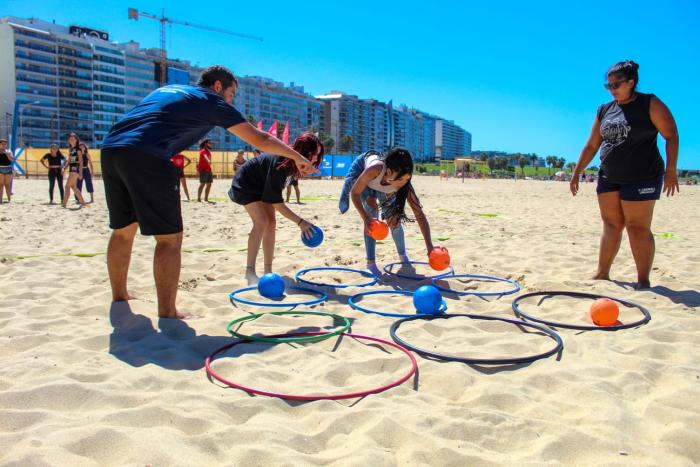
(296, 397)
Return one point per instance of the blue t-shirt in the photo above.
(171, 119)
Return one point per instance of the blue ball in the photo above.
(271, 285)
(427, 300)
(315, 240)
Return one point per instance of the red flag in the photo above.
(260, 127)
(285, 133)
(273, 129)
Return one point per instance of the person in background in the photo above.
(88, 170)
(6, 160)
(631, 174)
(181, 161)
(239, 161)
(204, 168)
(293, 182)
(75, 170)
(53, 161)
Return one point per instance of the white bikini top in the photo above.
(376, 183)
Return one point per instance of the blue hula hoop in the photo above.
(387, 267)
(516, 286)
(372, 281)
(232, 296)
(351, 302)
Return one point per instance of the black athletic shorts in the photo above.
(206, 177)
(644, 190)
(294, 182)
(242, 198)
(141, 188)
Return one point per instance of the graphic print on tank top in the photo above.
(614, 130)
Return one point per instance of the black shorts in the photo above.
(643, 190)
(206, 177)
(242, 198)
(180, 173)
(294, 182)
(141, 188)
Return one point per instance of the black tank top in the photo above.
(629, 152)
(73, 157)
(4, 159)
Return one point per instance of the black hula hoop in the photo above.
(521, 314)
(478, 361)
(372, 278)
(387, 270)
(516, 286)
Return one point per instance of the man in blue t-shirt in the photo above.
(142, 185)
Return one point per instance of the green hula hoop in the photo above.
(279, 340)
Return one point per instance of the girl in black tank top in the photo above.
(75, 165)
(631, 170)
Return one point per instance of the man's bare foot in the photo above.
(601, 277)
(642, 285)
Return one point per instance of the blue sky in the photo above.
(520, 76)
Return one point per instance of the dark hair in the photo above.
(626, 70)
(399, 160)
(217, 73)
(204, 142)
(77, 138)
(305, 144)
(3, 140)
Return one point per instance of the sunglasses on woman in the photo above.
(615, 84)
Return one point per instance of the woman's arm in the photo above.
(306, 227)
(268, 143)
(589, 150)
(663, 120)
(361, 183)
(80, 166)
(44, 163)
(421, 218)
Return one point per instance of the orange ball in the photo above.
(377, 229)
(439, 258)
(604, 312)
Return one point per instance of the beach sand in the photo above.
(85, 382)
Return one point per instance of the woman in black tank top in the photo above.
(631, 168)
(75, 168)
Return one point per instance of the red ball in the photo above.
(377, 229)
(604, 312)
(439, 258)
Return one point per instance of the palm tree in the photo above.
(560, 162)
(571, 166)
(522, 162)
(327, 140)
(492, 162)
(483, 157)
(533, 161)
(551, 162)
(346, 143)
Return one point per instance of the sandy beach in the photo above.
(85, 382)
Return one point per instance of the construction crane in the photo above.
(134, 14)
